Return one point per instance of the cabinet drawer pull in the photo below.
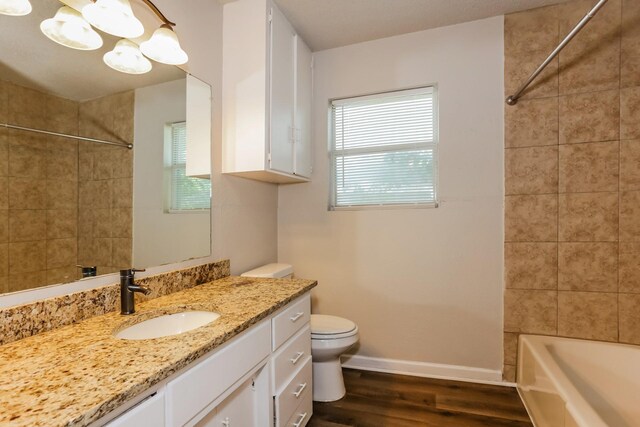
(302, 418)
(300, 390)
(297, 316)
(298, 356)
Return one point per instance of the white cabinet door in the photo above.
(282, 73)
(304, 76)
(248, 405)
(194, 391)
(237, 410)
(148, 413)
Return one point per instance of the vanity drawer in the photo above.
(303, 412)
(198, 387)
(290, 357)
(293, 393)
(290, 320)
(148, 413)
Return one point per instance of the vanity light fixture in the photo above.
(69, 29)
(127, 58)
(164, 47)
(15, 7)
(114, 17)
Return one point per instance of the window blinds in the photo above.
(384, 149)
(187, 193)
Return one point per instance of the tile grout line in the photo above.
(619, 166)
(558, 195)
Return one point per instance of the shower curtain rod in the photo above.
(513, 99)
(64, 135)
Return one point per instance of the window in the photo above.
(384, 150)
(185, 193)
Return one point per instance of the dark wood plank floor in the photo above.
(384, 400)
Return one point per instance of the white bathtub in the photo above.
(576, 383)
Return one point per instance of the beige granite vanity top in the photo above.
(77, 374)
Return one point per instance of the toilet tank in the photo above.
(274, 270)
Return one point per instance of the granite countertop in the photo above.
(77, 374)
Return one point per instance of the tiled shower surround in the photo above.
(572, 177)
(62, 202)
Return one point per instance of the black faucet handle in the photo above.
(138, 288)
(131, 271)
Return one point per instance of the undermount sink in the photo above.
(167, 325)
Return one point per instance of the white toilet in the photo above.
(331, 336)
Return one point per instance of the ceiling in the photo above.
(325, 24)
(30, 59)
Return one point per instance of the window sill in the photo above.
(384, 207)
(188, 212)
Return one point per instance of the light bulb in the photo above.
(164, 47)
(15, 7)
(114, 17)
(127, 58)
(69, 29)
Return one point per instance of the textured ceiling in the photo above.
(325, 24)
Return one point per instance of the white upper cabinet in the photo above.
(267, 81)
(302, 113)
(283, 93)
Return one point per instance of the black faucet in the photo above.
(127, 289)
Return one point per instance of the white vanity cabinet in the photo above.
(266, 95)
(148, 413)
(194, 394)
(291, 364)
(260, 378)
(245, 407)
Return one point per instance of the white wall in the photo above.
(160, 237)
(424, 285)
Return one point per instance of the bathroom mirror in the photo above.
(99, 170)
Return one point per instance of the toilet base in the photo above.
(328, 384)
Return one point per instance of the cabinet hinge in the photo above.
(275, 418)
(269, 157)
(270, 17)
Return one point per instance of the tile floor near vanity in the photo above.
(377, 400)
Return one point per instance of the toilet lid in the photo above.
(322, 324)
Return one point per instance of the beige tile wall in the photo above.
(106, 184)
(49, 184)
(38, 195)
(572, 177)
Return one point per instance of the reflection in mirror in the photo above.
(75, 200)
(171, 209)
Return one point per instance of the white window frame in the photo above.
(169, 169)
(433, 145)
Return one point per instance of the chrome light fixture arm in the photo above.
(155, 10)
(158, 13)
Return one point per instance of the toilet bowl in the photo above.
(331, 336)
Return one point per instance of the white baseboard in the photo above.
(423, 369)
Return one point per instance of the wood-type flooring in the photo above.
(387, 400)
